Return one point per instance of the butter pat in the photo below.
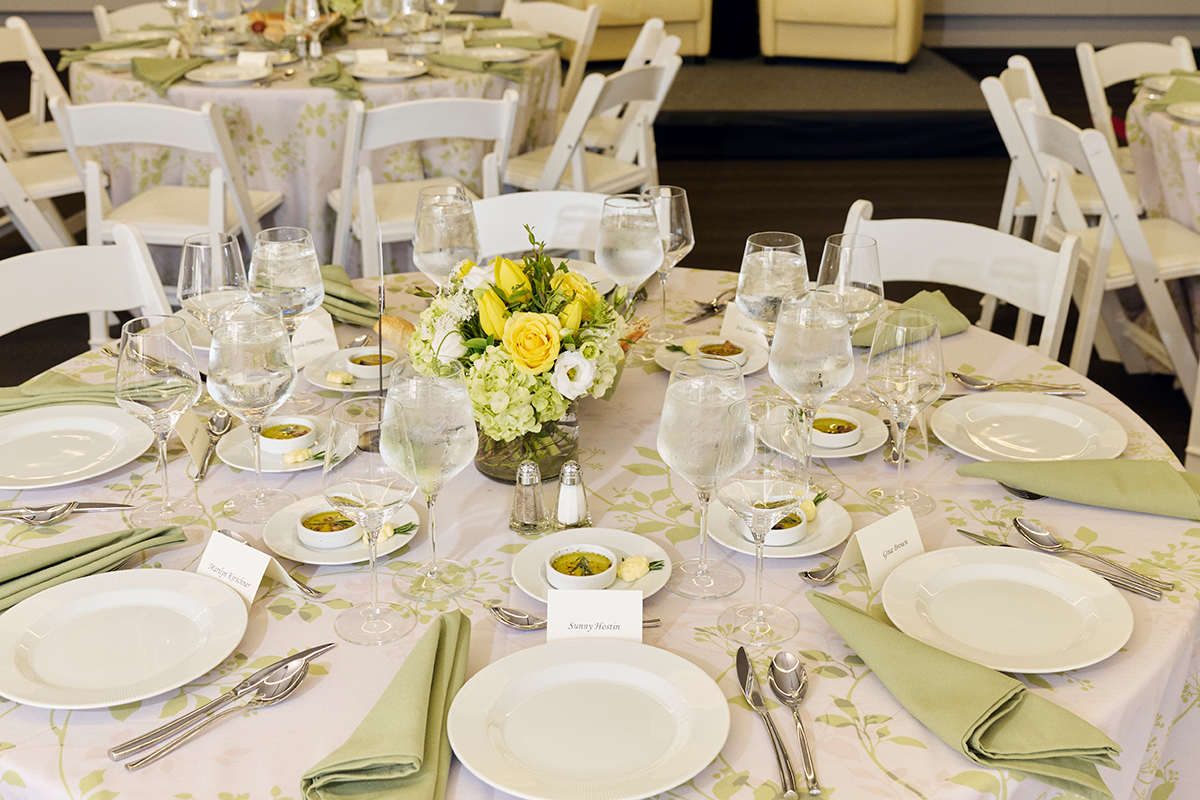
(338, 376)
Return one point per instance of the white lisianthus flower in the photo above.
(573, 374)
(450, 346)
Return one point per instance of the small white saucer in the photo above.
(280, 536)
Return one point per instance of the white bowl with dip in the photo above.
(600, 580)
(835, 431)
(282, 435)
(363, 362)
(332, 537)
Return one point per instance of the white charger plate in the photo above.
(57, 445)
(529, 565)
(280, 536)
(103, 640)
(1188, 112)
(1012, 426)
(227, 74)
(121, 57)
(829, 528)
(1008, 609)
(657, 718)
(499, 54)
(235, 450)
(315, 372)
(387, 71)
(756, 356)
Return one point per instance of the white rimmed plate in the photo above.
(235, 450)
(1008, 609)
(227, 74)
(874, 433)
(460, 16)
(529, 565)
(1011, 426)
(499, 54)
(57, 445)
(315, 373)
(137, 36)
(279, 535)
(508, 33)
(387, 71)
(830, 528)
(103, 640)
(657, 718)
(1188, 112)
(121, 57)
(756, 356)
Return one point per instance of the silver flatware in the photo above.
(711, 308)
(219, 424)
(48, 515)
(1024, 494)
(972, 382)
(891, 451)
(316, 594)
(1051, 392)
(822, 576)
(524, 621)
(287, 75)
(789, 681)
(754, 696)
(1042, 539)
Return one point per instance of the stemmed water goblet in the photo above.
(380, 12)
(850, 268)
(675, 227)
(444, 232)
(157, 381)
(413, 18)
(773, 267)
(368, 474)
(629, 247)
(211, 275)
(689, 441)
(904, 373)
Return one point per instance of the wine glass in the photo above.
(413, 17)
(689, 441)
(773, 266)
(176, 8)
(249, 5)
(850, 267)
(629, 247)
(369, 473)
(157, 381)
(763, 484)
(675, 226)
(444, 233)
(904, 373)
(438, 418)
(252, 373)
(222, 14)
(812, 360)
(211, 275)
(380, 12)
(285, 275)
(440, 10)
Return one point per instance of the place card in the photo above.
(191, 429)
(737, 325)
(593, 614)
(883, 546)
(240, 565)
(454, 44)
(371, 55)
(314, 339)
(254, 58)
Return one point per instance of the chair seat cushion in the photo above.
(605, 174)
(47, 175)
(1175, 247)
(396, 206)
(854, 13)
(169, 214)
(37, 137)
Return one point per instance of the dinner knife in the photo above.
(159, 734)
(79, 506)
(1116, 580)
(754, 696)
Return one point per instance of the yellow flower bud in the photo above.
(492, 314)
(510, 277)
(571, 316)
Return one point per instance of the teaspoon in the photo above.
(789, 681)
(971, 382)
(1042, 539)
(524, 621)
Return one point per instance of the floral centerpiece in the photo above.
(532, 341)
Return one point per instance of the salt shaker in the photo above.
(528, 511)
(572, 510)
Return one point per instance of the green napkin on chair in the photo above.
(1149, 487)
(508, 71)
(401, 750)
(161, 73)
(987, 716)
(55, 389)
(481, 24)
(345, 303)
(334, 76)
(1183, 90)
(28, 573)
(524, 42)
(950, 319)
(68, 57)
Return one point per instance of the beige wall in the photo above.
(60, 23)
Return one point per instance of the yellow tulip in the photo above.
(492, 314)
(571, 316)
(532, 340)
(511, 278)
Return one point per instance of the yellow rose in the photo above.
(532, 340)
(492, 314)
(574, 285)
(571, 316)
(510, 278)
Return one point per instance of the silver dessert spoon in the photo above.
(972, 382)
(820, 576)
(1042, 539)
(41, 516)
(524, 621)
(789, 681)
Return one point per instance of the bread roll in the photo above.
(396, 330)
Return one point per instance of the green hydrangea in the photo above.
(508, 402)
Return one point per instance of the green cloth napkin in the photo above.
(345, 303)
(55, 389)
(160, 73)
(401, 750)
(334, 76)
(28, 573)
(1183, 90)
(481, 24)
(987, 716)
(1149, 487)
(506, 70)
(950, 319)
(68, 57)
(524, 42)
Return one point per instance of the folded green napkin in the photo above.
(508, 71)
(401, 751)
(1150, 487)
(28, 573)
(950, 319)
(481, 24)
(160, 73)
(1183, 90)
(68, 57)
(55, 389)
(334, 76)
(524, 42)
(989, 717)
(345, 303)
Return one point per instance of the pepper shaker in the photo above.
(572, 509)
(529, 510)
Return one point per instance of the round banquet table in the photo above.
(1165, 153)
(866, 744)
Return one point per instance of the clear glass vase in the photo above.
(551, 447)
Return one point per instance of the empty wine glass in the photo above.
(440, 10)
(222, 14)
(251, 373)
(850, 268)
(629, 248)
(211, 275)
(380, 13)
(414, 18)
(176, 8)
(773, 266)
(368, 474)
(675, 227)
(904, 373)
(689, 441)
(764, 484)
(157, 381)
(444, 233)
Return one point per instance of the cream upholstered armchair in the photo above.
(849, 30)
(621, 21)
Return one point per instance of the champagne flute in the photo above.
(380, 13)
(812, 361)
(444, 233)
(252, 373)
(904, 373)
(675, 226)
(850, 267)
(689, 441)
(763, 484)
(441, 432)
(368, 473)
(211, 275)
(157, 381)
(773, 266)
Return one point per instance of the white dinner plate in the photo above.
(508, 33)
(138, 36)
(103, 640)
(499, 54)
(657, 718)
(316, 370)
(756, 356)
(459, 16)
(529, 565)
(280, 536)
(1188, 112)
(227, 74)
(57, 445)
(387, 71)
(1011, 426)
(1008, 609)
(121, 57)
(830, 528)
(235, 450)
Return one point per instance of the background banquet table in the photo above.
(866, 744)
(1165, 152)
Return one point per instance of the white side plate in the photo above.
(756, 356)
(831, 527)
(57, 445)
(1188, 112)
(501, 54)
(529, 565)
(280, 536)
(235, 450)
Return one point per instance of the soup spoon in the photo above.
(971, 382)
(524, 621)
(1042, 539)
(789, 681)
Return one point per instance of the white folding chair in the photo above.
(562, 220)
(1120, 63)
(978, 258)
(27, 186)
(566, 23)
(130, 18)
(384, 212)
(32, 131)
